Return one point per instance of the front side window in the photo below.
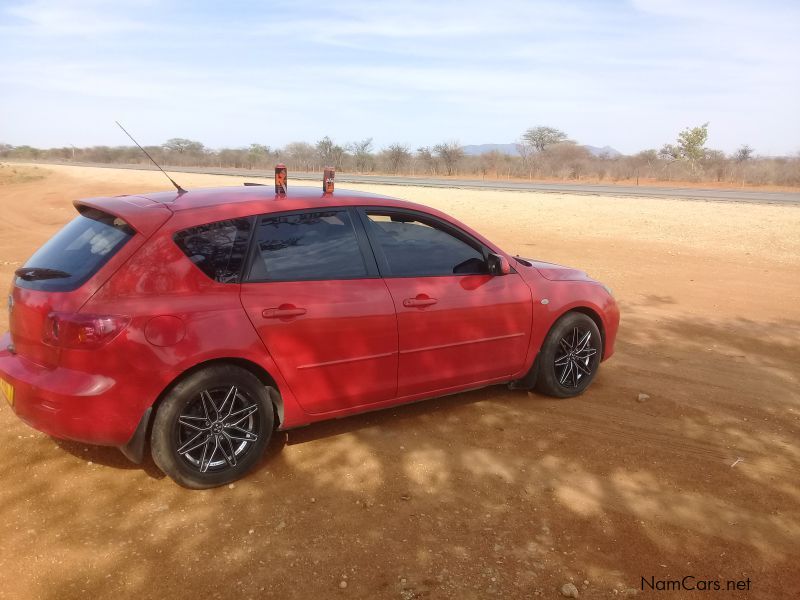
(414, 248)
(308, 246)
(218, 249)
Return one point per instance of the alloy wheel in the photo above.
(575, 357)
(217, 428)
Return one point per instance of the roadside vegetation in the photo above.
(542, 153)
(16, 174)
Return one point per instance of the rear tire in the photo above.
(212, 427)
(570, 356)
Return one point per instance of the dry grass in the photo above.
(10, 174)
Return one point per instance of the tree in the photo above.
(643, 163)
(329, 153)
(362, 153)
(743, 154)
(566, 159)
(715, 161)
(425, 156)
(528, 155)
(183, 146)
(397, 156)
(233, 157)
(257, 155)
(539, 138)
(300, 155)
(692, 144)
(670, 152)
(325, 148)
(450, 153)
(691, 147)
(26, 152)
(491, 162)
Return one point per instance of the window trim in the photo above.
(367, 256)
(447, 227)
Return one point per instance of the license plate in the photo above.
(8, 391)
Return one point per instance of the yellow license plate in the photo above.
(8, 391)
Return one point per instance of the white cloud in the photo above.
(75, 18)
(424, 71)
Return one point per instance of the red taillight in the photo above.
(83, 332)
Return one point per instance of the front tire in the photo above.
(212, 427)
(570, 356)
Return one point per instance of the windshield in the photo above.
(75, 253)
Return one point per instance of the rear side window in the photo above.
(218, 249)
(309, 246)
(75, 253)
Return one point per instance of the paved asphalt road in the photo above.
(730, 195)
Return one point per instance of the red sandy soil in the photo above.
(485, 494)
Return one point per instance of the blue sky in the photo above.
(629, 74)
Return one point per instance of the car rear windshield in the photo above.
(75, 253)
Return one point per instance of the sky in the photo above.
(627, 73)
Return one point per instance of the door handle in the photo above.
(420, 301)
(283, 311)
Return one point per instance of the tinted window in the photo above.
(75, 253)
(415, 248)
(318, 245)
(218, 249)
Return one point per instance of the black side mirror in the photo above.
(498, 265)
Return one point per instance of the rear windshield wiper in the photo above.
(34, 273)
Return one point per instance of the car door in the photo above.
(315, 297)
(458, 325)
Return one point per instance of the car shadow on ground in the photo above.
(481, 494)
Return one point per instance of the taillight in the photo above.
(79, 331)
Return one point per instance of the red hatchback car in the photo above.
(203, 321)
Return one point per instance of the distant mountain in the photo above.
(606, 151)
(511, 149)
(478, 149)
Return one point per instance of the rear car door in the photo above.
(314, 294)
(458, 325)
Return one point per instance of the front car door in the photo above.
(458, 325)
(314, 295)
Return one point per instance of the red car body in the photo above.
(331, 347)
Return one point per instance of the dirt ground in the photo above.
(485, 494)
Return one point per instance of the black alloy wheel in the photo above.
(570, 356)
(217, 428)
(212, 427)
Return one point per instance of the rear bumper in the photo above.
(67, 404)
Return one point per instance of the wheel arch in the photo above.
(134, 448)
(533, 379)
(260, 372)
(592, 314)
(528, 381)
(248, 365)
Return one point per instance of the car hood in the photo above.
(555, 272)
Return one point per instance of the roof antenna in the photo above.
(177, 187)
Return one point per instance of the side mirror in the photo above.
(498, 265)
